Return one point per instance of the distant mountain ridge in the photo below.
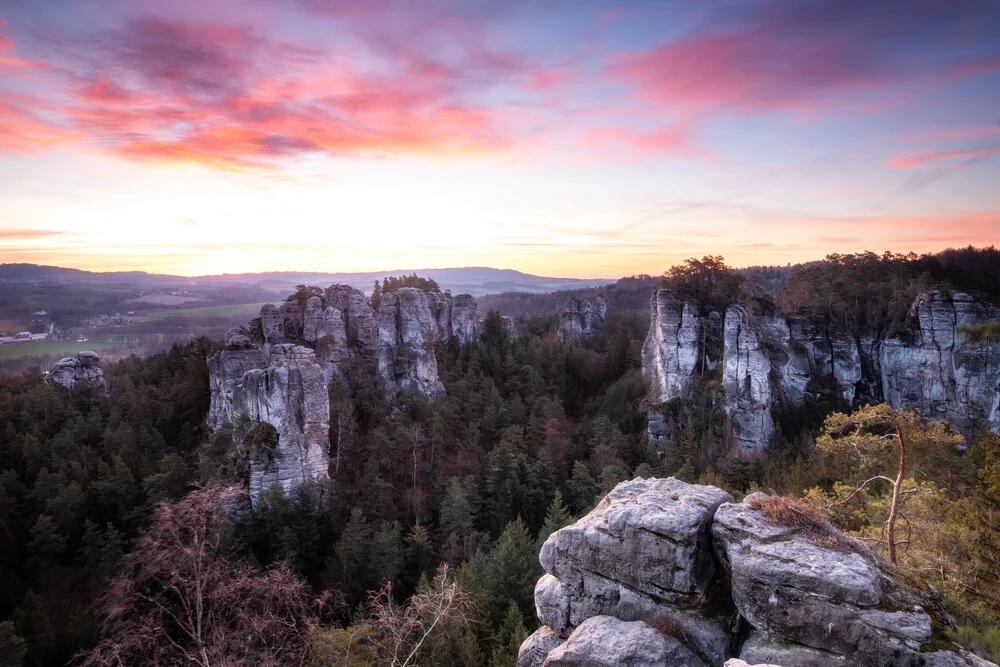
(477, 280)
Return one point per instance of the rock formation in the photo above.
(774, 359)
(84, 368)
(277, 370)
(282, 386)
(662, 572)
(582, 318)
(405, 349)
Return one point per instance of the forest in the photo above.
(423, 546)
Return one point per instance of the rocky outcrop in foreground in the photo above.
(663, 572)
(582, 318)
(776, 359)
(84, 368)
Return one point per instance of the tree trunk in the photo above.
(890, 530)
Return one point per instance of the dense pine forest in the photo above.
(436, 510)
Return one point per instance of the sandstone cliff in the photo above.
(582, 318)
(278, 369)
(282, 386)
(667, 573)
(772, 359)
(84, 368)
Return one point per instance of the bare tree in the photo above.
(343, 425)
(400, 631)
(415, 437)
(180, 601)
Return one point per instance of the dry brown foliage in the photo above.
(807, 519)
(669, 627)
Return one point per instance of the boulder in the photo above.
(605, 641)
(82, 369)
(820, 592)
(582, 318)
(537, 647)
(760, 648)
(643, 553)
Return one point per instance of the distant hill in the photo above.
(469, 280)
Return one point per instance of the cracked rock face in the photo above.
(278, 369)
(670, 351)
(285, 387)
(643, 553)
(405, 349)
(582, 318)
(629, 583)
(774, 359)
(83, 369)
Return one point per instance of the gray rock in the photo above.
(936, 371)
(582, 318)
(537, 647)
(760, 648)
(83, 369)
(466, 320)
(605, 641)
(642, 554)
(284, 387)
(272, 324)
(509, 327)
(772, 359)
(670, 351)
(405, 347)
(823, 597)
(736, 662)
(747, 383)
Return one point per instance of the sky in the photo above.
(561, 137)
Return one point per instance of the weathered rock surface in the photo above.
(736, 662)
(760, 648)
(773, 359)
(282, 386)
(278, 368)
(605, 641)
(582, 318)
(935, 370)
(537, 647)
(746, 381)
(643, 553)
(405, 349)
(642, 559)
(670, 352)
(84, 368)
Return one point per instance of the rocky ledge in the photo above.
(663, 572)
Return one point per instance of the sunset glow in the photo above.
(557, 138)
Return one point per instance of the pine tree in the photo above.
(581, 489)
(512, 571)
(556, 517)
(508, 638)
(456, 514)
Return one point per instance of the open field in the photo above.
(54, 348)
(164, 300)
(243, 310)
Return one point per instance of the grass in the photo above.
(54, 348)
(247, 310)
(808, 520)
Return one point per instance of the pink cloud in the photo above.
(801, 57)
(918, 159)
